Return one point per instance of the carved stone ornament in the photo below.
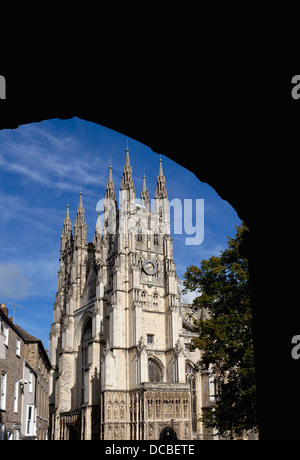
(141, 345)
(178, 348)
(96, 310)
(106, 350)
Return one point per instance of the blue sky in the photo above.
(44, 165)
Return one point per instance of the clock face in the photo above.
(150, 267)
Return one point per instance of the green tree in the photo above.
(225, 337)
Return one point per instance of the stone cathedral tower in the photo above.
(120, 332)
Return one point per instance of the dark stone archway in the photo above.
(233, 125)
(73, 433)
(168, 434)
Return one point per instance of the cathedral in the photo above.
(119, 341)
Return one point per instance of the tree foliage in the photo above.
(225, 336)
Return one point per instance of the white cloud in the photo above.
(50, 161)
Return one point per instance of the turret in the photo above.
(145, 199)
(162, 202)
(80, 229)
(110, 187)
(161, 191)
(127, 184)
(66, 234)
(110, 206)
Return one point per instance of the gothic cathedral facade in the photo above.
(121, 366)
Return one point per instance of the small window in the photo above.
(3, 391)
(16, 397)
(150, 339)
(30, 382)
(18, 347)
(30, 420)
(155, 239)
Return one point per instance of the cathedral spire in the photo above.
(80, 228)
(145, 192)
(80, 200)
(110, 178)
(110, 186)
(66, 234)
(161, 191)
(67, 223)
(127, 181)
(127, 163)
(160, 173)
(80, 210)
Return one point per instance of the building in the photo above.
(29, 406)
(37, 358)
(24, 383)
(120, 334)
(11, 374)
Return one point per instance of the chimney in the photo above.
(4, 309)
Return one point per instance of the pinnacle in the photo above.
(110, 186)
(110, 178)
(127, 163)
(160, 168)
(80, 200)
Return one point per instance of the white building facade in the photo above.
(119, 339)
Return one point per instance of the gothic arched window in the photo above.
(140, 264)
(155, 374)
(139, 236)
(157, 271)
(143, 298)
(155, 301)
(85, 340)
(190, 376)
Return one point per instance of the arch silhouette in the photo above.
(210, 130)
(80, 328)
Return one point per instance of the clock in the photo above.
(150, 267)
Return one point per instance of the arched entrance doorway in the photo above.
(168, 434)
(73, 435)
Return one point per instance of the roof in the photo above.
(187, 298)
(27, 337)
(31, 339)
(11, 324)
